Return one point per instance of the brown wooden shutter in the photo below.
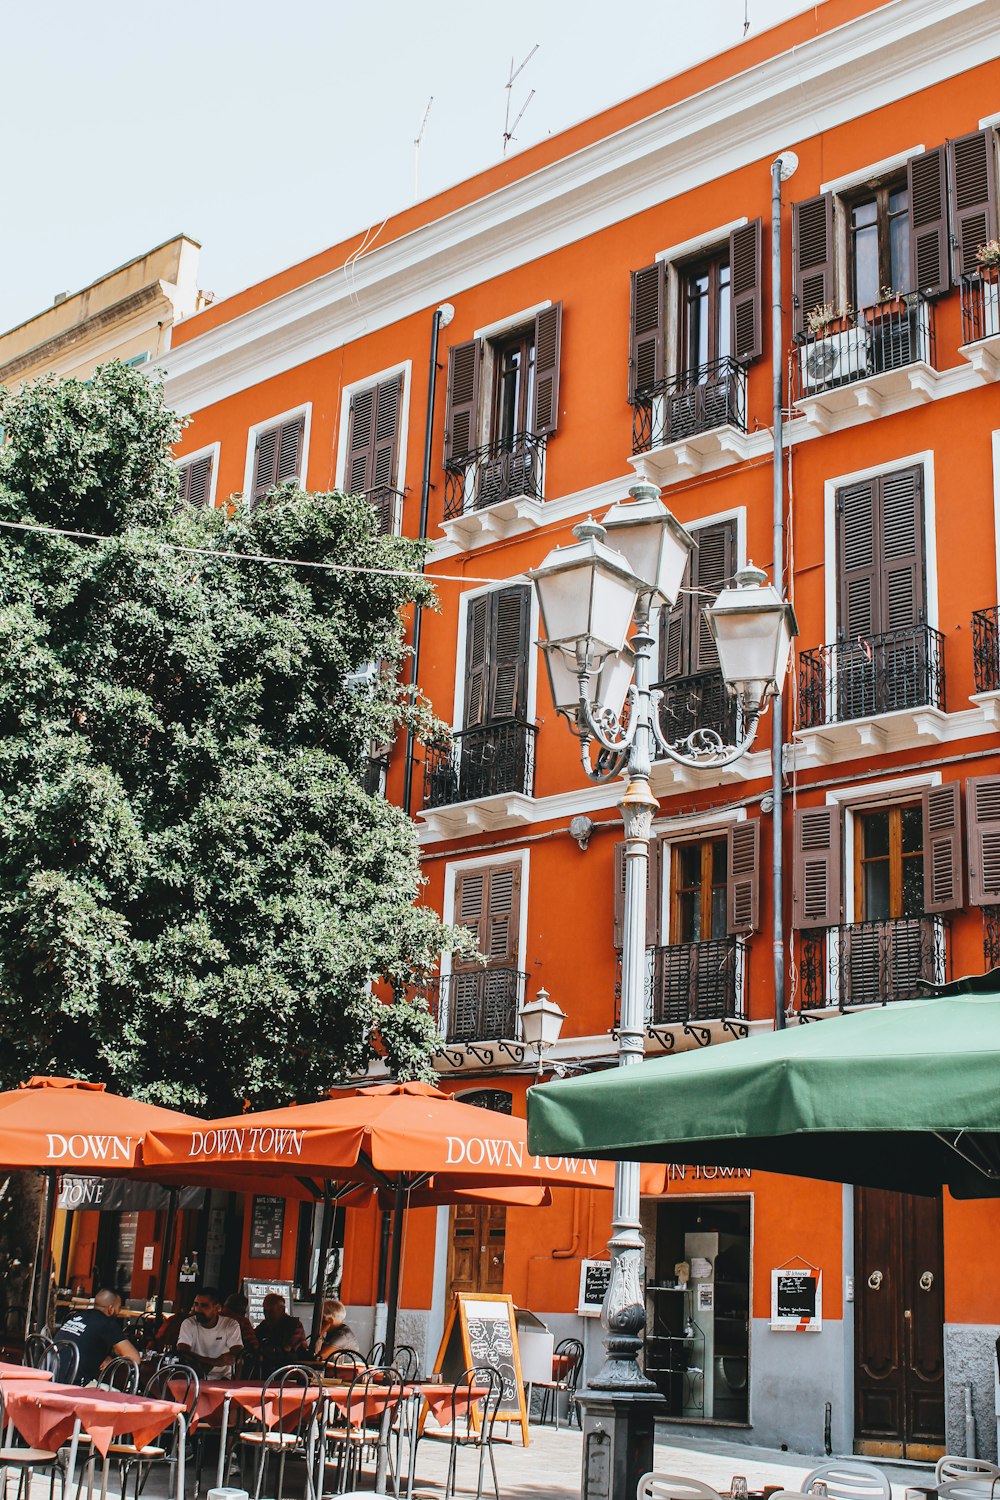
(278, 456)
(713, 566)
(942, 819)
(471, 896)
(812, 256)
(743, 877)
(972, 161)
(265, 463)
(290, 436)
(389, 400)
(196, 481)
(930, 261)
(816, 894)
(510, 614)
(654, 885)
(360, 441)
(503, 915)
(645, 355)
(477, 636)
(462, 404)
(746, 292)
(901, 531)
(548, 340)
(983, 817)
(858, 560)
(674, 633)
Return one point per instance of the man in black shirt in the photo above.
(97, 1333)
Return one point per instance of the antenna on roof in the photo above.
(746, 16)
(416, 150)
(508, 128)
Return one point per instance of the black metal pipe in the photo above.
(778, 527)
(66, 1246)
(425, 495)
(395, 1257)
(168, 1253)
(325, 1236)
(45, 1250)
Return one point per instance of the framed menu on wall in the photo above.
(267, 1227)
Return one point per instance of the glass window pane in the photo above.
(719, 862)
(913, 830)
(876, 834)
(913, 887)
(689, 865)
(864, 213)
(899, 200)
(718, 912)
(687, 917)
(866, 277)
(697, 341)
(899, 252)
(876, 891)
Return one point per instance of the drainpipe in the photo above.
(442, 317)
(781, 169)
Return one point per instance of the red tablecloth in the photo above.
(439, 1399)
(370, 1402)
(247, 1394)
(22, 1372)
(45, 1417)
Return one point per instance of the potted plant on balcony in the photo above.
(825, 319)
(889, 304)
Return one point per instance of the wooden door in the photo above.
(899, 1328)
(476, 1249)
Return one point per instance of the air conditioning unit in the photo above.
(836, 359)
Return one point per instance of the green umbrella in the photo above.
(904, 1097)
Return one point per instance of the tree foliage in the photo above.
(196, 893)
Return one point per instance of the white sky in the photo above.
(268, 129)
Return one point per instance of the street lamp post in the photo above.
(590, 594)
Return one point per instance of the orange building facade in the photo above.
(611, 292)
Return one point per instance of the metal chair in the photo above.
(954, 1466)
(67, 1361)
(661, 1486)
(343, 1365)
(364, 1428)
(567, 1362)
(406, 1362)
(119, 1374)
(472, 1422)
(850, 1481)
(17, 1456)
(169, 1383)
(37, 1351)
(375, 1355)
(293, 1433)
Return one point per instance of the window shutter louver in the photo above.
(503, 911)
(983, 817)
(265, 463)
(645, 357)
(713, 566)
(508, 648)
(654, 879)
(812, 256)
(673, 633)
(471, 895)
(196, 481)
(902, 532)
(743, 877)
(389, 400)
(548, 341)
(476, 660)
(278, 456)
(942, 834)
(973, 197)
(462, 403)
(746, 292)
(858, 561)
(290, 450)
(360, 441)
(927, 183)
(816, 897)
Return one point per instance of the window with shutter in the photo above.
(645, 362)
(743, 877)
(881, 555)
(812, 256)
(196, 481)
(548, 341)
(972, 161)
(482, 999)
(878, 241)
(496, 656)
(816, 863)
(373, 444)
(889, 868)
(278, 456)
(699, 895)
(942, 840)
(746, 292)
(462, 401)
(983, 818)
(686, 644)
(927, 181)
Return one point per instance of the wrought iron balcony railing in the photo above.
(480, 1005)
(388, 507)
(701, 702)
(875, 674)
(687, 983)
(481, 762)
(889, 336)
(373, 778)
(499, 471)
(980, 293)
(693, 401)
(986, 649)
(871, 963)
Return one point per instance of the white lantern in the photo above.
(587, 595)
(607, 688)
(652, 540)
(752, 627)
(541, 1022)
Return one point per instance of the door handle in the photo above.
(875, 1280)
(926, 1280)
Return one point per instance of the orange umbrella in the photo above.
(75, 1126)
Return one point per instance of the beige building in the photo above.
(127, 314)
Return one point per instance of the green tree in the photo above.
(196, 893)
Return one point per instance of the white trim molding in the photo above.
(862, 175)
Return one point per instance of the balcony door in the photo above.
(694, 694)
(496, 746)
(482, 1002)
(899, 1328)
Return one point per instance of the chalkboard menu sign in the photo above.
(797, 1299)
(481, 1332)
(267, 1227)
(595, 1277)
(256, 1291)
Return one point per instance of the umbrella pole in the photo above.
(325, 1236)
(395, 1254)
(168, 1253)
(45, 1250)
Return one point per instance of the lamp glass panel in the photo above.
(564, 596)
(750, 645)
(614, 600)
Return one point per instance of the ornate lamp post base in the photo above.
(619, 1430)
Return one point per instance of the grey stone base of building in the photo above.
(970, 1362)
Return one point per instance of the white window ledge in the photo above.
(984, 358)
(702, 453)
(905, 729)
(877, 396)
(484, 815)
(510, 517)
(667, 777)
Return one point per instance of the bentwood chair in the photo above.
(18, 1458)
(170, 1383)
(850, 1481)
(296, 1402)
(343, 1366)
(567, 1361)
(363, 1426)
(38, 1351)
(119, 1374)
(953, 1466)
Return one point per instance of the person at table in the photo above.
(334, 1332)
(209, 1341)
(235, 1306)
(282, 1337)
(169, 1330)
(98, 1334)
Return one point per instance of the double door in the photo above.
(899, 1325)
(476, 1249)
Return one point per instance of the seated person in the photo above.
(169, 1330)
(209, 1341)
(282, 1337)
(97, 1333)
(334, 1332)
(235, 1306)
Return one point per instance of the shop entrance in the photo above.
(899, 1325)
(698, 1331)
(477, 1235)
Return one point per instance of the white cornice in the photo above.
(905, 46)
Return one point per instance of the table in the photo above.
(256, 1397)
(10, 1372)
(438, 1398)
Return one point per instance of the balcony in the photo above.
(702, 702)
(691, 422)
(376, 768)
(388, 507)
(878, 362)
(845, 687)
(492, 767)
(496, 489)
(695, 993)
(980, 294)
(871, 963)
(477, 1016)
(986, 649)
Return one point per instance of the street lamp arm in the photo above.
(703, 748)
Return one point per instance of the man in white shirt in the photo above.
(208, 1340)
